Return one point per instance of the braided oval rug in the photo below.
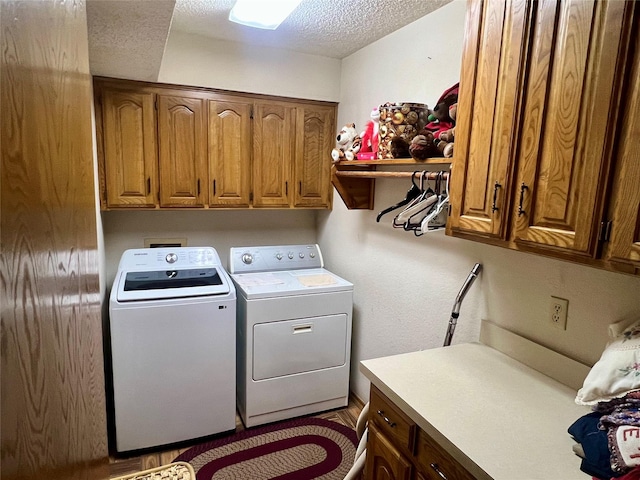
(300, 449)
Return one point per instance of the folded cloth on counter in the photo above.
(621, 420)
(617, 372)
(595, 445)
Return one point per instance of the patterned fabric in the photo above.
(621, 420)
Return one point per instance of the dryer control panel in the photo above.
(274, 258)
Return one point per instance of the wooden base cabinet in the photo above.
(534, 166)
(397, 449)
(169, 146)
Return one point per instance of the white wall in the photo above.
(405, 285)
(220, 229)
(196, 60)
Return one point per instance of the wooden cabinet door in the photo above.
(384, 461)
(182, 142)
(273, 144)
(624, 245)
(229, 152)
(490, 84)
(312, 167)
(130, 155)
(569, 115)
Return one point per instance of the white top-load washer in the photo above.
(172, 330)
(293, 333)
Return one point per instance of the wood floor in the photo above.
(125, 466)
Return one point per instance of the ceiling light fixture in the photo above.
(266, 14)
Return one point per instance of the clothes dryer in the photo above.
(293, 333)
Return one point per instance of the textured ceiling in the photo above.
(321, 27)
(127, 37)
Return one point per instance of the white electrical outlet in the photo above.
(558, 312)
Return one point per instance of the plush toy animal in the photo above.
(370, 137)
(423, 146)
(349, 143)
(446, 137)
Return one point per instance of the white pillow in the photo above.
(617, 372)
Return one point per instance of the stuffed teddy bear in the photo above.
(370, 137)
(398, 147)
(445, 138)
(349, 143)
(423, 146)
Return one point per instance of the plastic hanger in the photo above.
(412, 193)
(419, 204)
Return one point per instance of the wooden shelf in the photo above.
(397, 161)
(354, 180)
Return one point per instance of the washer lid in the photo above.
(156, 284)
(287, 283)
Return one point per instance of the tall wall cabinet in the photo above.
(168, 146)
(547, 109)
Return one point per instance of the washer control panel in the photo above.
(160, 258)
(274, 258)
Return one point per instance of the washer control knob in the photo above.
(279, 256)
(247, 258)
(290, 255)
(301, 255)
(312, 255)
(171, 258)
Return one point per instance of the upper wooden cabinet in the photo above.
(315, 135)
(182, 147)
(290, 164)
(490, 80)
(168, 146)
(129, 148)
(230, 152)
(623, 249)
(540, 105)
(273, 152)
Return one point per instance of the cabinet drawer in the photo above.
(435, 463)
(392, 422)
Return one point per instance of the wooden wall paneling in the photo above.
(52, 391)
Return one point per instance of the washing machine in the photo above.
(293, 333)
(172, 315)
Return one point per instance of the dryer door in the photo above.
(296, 346)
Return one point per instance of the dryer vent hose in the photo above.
(455, 313)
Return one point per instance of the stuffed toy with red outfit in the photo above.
(370, 137)
(440, 120)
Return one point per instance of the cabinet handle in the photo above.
(286, 188)
(300, 188)
(438, 471)
(523, 187)
(148, 185)
(386, 419)
(214, 188)
(198, 186)
(496, 186)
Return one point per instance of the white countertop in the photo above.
(499, 418)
